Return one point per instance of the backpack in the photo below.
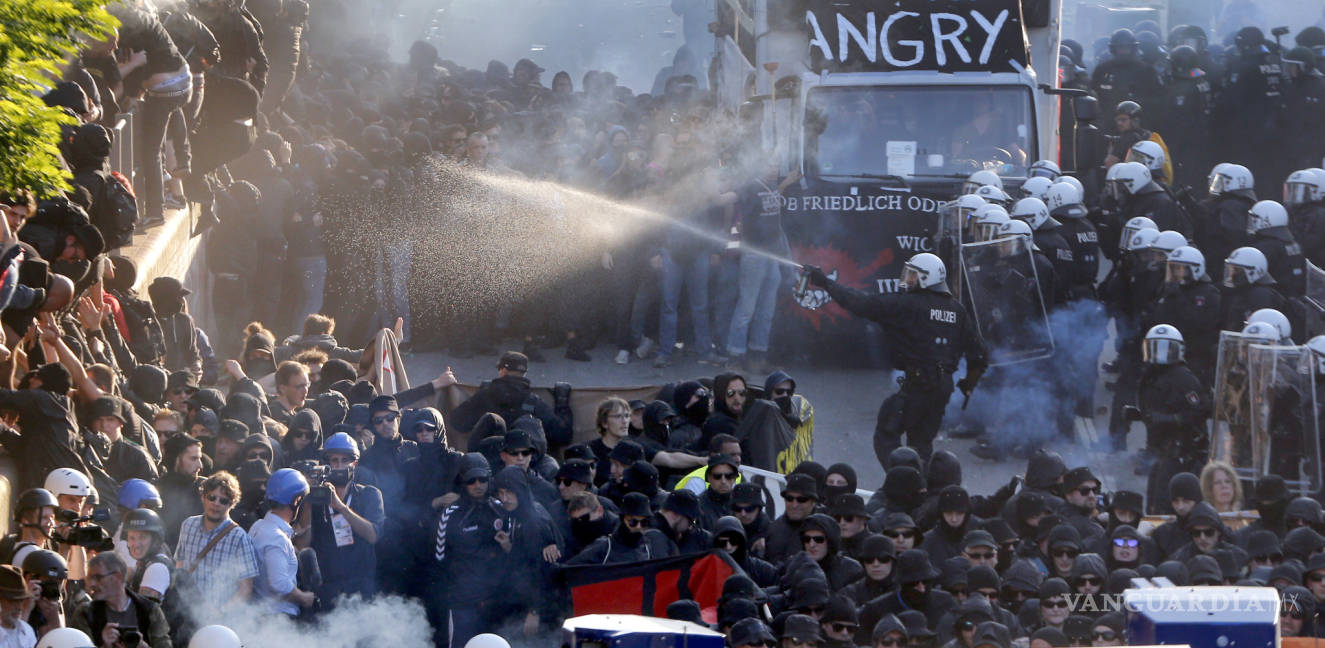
(120, 210)
(146, 339)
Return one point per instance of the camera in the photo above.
(50, 589)
(83, 530)
(315, 472)
(130, 637)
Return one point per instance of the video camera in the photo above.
(316, 473)
(84, 530)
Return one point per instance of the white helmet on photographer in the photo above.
(981, 178)
(215, 636)
(1163, 345)
(1186, 265)
(928, 271)
(67, 481)
(1264, 215)
(1246, 266)
(1276, 319)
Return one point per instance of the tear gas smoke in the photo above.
(355, 623)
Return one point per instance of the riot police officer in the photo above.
(1136, 192)
(1267, 225)
(1051, 244)
(1124, 76)
(1128, 292)
(1224, 221)
(1304, 107)
(1188, 103)
(1191, 303)
(1304, 196)
(1251, 103)
(1174, 406)
(930, 333)
(1248, 287)
(1066, 207)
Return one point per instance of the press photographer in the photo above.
(117, 617)
(346, 518)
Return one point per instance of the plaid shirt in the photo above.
(229, 562)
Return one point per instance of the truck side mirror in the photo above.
(1086, 109)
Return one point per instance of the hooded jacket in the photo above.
(428, 476)
(841, 570)
(687, 429)
(722, 420)
(324, 342)
(305, 419)
(622, 546)
(1089, 564)
(762, 572)
(467, 551)
(511, 397)
(526, 575)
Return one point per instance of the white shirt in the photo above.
(278, 565)
(20, 636)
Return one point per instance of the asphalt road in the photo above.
(845, 404)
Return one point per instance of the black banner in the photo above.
(939, 35)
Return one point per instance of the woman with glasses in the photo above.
(1127, 549)
(304, 438)
(821, 538)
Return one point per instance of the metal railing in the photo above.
(121, 147)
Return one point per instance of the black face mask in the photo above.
(75, 270)
(258, 367)
(698, 412)
(832, 492)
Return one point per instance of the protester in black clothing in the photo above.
(510, 396)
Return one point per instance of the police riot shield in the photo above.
(1003, 291)
(951, 234)
(1231, 439)
(1316, 287)
(1282, 417)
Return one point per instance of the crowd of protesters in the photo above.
(161, 486)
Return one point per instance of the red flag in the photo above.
(648, 587)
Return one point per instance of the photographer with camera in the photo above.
(45, 573)
(75, 521)
(117, 617)
(278, 564)
(346, 518)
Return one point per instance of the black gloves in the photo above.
(817, 276)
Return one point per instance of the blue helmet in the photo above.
(341, 442)
(285, 485)
(136, 493)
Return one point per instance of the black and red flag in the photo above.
(647, 587)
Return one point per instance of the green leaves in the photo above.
(37, 38)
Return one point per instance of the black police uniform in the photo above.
(1084, 241)
(1120, 79)
(1304, 119)
(1156, 204)
(1128, 293)
(1307, 222)
(1051, 242)
(1174, 406)
(1240, 302)
(1194, 309)
(1187, 110)
(929, 333)
(1284, 259)
(1251, 106)
(1223, 227)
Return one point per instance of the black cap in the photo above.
(1186, 486)
(991, 633)
(383, 404)
(848, 504)
(575, 470)
(978, 538)
(685, 610)
(801, 483)
(579, 451)
(233, 430)
(516, 439)
(636, 504)
(526, 64)
(684, 503)
(474, 465)
(915, 623)
(748, 631)
(514, 361)
(637, 405)
(954, 499)
(913, 566)
(747, 494)
(803, 628)
(721, 460)
(165, 288)
(877, 546)
(107, 406)
(181, 379)
(627, 452)
(1078, 476)
(1128, 501)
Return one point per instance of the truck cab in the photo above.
(886, 109)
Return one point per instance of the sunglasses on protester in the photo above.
(905, 533)
(799, 499)
(389, 418)
(724, 476)
(1130, 543)
(816, 539)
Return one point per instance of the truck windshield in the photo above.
(866, 131)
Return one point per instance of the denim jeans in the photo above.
(154, 116)
(694, 275)
(311, 274)
(393, 284)
(752, 319)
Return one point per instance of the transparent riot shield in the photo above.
(951, 234)
(1003, 291)
(1283, 421)
(1231, 439)
(1316, 287)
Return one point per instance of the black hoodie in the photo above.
(512, 397)
(840, 569)
(428, 476)
(722, 420)
(304, 419)
(762, 572)
(687, 430)
(525, 574)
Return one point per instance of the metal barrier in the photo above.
(121, 147)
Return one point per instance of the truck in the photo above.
(886, 107)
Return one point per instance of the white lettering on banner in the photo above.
(914, 243)
(888, 285)
(886, 202)
(873, 38)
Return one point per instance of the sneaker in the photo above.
(644, 349)
(622, 356)
(662, 361)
